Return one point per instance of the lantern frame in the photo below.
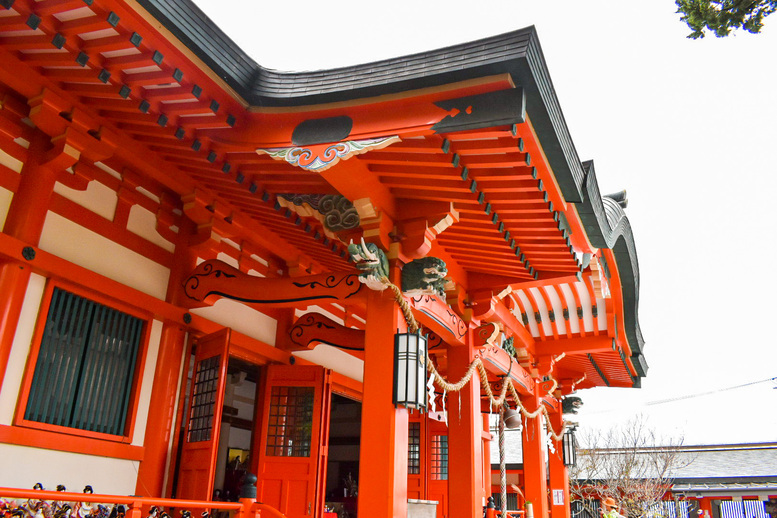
(410, 369)
(569, 448)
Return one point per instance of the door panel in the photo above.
(416, 458)
(203, 422)
(437, 437)
(292, 451)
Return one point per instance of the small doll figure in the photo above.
(37, 508)
(84, 509)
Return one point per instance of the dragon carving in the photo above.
(424, 276)
(569, 405)
(372, 263)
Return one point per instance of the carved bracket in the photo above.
(217, 278)
(486, 335)
(335, 212)
(435, 314)
(312, 329)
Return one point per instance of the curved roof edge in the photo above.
(608, 227)
(517, 53)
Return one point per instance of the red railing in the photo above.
(135, 506)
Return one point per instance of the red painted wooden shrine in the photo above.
(178, 303)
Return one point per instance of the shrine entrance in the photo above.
(218, 424)
(343, 460)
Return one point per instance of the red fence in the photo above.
(52, 504)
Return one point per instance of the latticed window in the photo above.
(439, 457)
(204, 399)
(291, 421)
(85, 367)
(414, 449)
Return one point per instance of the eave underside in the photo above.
(102, 75)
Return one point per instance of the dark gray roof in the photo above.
(729, 462)
(608, 227)
(713, 464)
(516, 53)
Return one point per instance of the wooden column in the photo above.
(705, 506)
(383, 453)
(559, 475)
(26, 216)
(465, 439)
(161, 414)
(534, 467)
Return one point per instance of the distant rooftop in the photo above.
(720, 463)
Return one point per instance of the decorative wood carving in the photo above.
(335, 212)
(486, 335)
(312, 329)
(434, 313)
(496, 360)
(217, 278)
(321, 157)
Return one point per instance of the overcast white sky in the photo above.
(689, 128)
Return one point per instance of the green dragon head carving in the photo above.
(425, 276)
(570, 404)
(372, 262)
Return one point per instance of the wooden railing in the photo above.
(52, 504)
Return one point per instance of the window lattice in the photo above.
(85, 369)
(439, 457)
(291, 421)
(206, 381)
(414, 449)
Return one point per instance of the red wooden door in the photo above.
(203, 422)
(417, 471)
(437, 448)
(293, 449)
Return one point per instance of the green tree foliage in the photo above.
(721, 16)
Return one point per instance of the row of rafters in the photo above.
(108, 60)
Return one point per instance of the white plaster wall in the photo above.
(74, 470)
(5, 202)
(155, 337)
(97, 197)
(85, 248)
(241, 318)
(10, 162)
(142, 222)
(20, 348)
(335, 359)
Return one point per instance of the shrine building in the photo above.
(333, 280)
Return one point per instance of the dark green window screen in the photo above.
(86, 365)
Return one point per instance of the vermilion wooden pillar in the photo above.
(26, 216)
(161, 415)
(705, 506)
(383, 452)
(465, 439)
(534, 467)
(559, 475)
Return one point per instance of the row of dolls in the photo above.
(56, 509)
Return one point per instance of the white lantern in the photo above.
(410, 388)
(569, 448)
